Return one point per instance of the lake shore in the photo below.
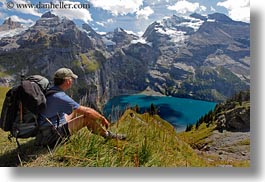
(150, 92)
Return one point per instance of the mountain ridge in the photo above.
(192, 57)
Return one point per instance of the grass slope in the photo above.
(151, 142)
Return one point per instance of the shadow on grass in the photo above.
(28, 152)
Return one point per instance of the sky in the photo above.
(132, 15)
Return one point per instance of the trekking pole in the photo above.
(77, 117)
(20, 112)
(22, 76)
(53, 127)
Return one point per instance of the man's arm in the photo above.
(92, 114)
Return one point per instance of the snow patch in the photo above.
(11, 33)
(142, 41)
(193, 23)
(175, 35)
(211, 20)
(107, 41)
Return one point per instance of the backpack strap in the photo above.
(51, 92)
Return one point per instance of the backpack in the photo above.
(22, 105)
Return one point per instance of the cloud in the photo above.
(110, 20)
(100, 23)
(77, 14)
(105, 23)
(1, 15)
(31, 11)
(118, 7)
(184, 7)
(144, 13)
(213, 9)
(21, 20)
(237, 10)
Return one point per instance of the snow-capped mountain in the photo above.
(200, 48)
(202, 57)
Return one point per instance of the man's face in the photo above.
(69, 82)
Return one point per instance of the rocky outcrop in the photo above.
(238, 119)
(9, 24)
(235, 120)
(117, 39)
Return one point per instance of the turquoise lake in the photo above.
(178, 111)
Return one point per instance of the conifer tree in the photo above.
(152, 109)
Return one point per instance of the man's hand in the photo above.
(105, 123)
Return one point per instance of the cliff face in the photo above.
(198, 57)
(9, 24)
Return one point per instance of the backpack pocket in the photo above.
(48, 136)
(24, 130)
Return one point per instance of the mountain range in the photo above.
(196, 56)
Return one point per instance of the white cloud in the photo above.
(184, 7)
(105, 23)
(24, 10)
(237, 10)
(77, 14)
(144, 13)
(21, 20)
(213, 9)
(118, 7)
(100, 23)
(110, 20)
(1, 15)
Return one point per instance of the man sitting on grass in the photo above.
(62, 116)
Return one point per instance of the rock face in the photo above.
(198, 57)
(9, 24)
(234, 114)
(238, 120)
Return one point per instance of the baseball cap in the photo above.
(63, 73)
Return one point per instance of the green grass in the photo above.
(151, 142)
(195, 137)
(89, 62)
(3, 91)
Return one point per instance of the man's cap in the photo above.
(63, 73)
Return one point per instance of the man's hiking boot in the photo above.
(111, 135)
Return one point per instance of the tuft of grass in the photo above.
(196, 136)
(3, 91)
(244, 142)
(89, 62)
